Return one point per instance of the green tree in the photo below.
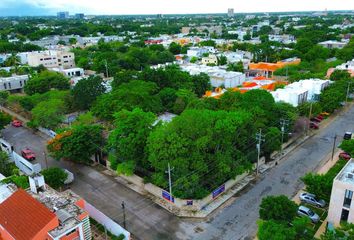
(200, 140)
(135, 94)
(201, 83)
(45, 81)
(193, 60)
(168, 97)
(86, 91)
(77, 144)
(54, 177)
(272, 142)
(340, 75)
(48, 114)
(278, 208)
(175, 48)
(236, 67)
(72, 41)
(128, 139)
(222, 60)
(275, 231)
(184, 97)
(6, 167)
(4, 120)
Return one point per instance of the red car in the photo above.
(344, 156)
(314, 125)
(316, 119)
(320, 117)
(28, 154)
(16, 123)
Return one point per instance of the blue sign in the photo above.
(218, 191)
(168, 197)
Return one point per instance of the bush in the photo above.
(55, 177)
(19, 181)
(126, 168)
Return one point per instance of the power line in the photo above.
(260, 139)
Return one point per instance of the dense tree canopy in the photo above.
(86, 91)
(45, 81)
(54, 177)
(77, 144)
(278, 208)
(128, 139)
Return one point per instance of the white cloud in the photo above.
(183, 6)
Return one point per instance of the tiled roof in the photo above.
(23, 216)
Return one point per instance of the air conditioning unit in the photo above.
(350, 175)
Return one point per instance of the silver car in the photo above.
(304, 211)
(311, 199)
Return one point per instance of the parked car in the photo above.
(347, 135)
(311, 199)
(28, 154)
(304, 211)
(319, 116)
(16, 123)
(315, 119)
(345, 156)
(314, 125)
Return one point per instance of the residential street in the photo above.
(149, 221)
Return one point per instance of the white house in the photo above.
(13, 83)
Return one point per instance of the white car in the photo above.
(304, 211)
(311, 199)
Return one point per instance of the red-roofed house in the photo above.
(48, 215)
(22, 218)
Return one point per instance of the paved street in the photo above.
(235, 221)
(144, 219)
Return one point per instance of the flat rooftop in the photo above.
(347, 173)
(63, 204)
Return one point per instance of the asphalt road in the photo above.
(235, 221)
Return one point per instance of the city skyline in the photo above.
(137, 7)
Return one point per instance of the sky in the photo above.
(127, 7)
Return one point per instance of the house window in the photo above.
(348, 198)
(5, 86)
(344, 216)
(9, 85)
(20, 83)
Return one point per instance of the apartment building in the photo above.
(341, 207)
(42, 215)
(52, 59)
(13, 83)
(331, 44)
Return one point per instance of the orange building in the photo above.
(24, 217)
(267, 69)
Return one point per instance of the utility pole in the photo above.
(260, 139)
(347, 96)
(334, 145)
(169, 180)
(310, 114)
(123, 207)
(284, 123)
(45, 159)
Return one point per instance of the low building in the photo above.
(341, 208)
(51, 59)
(292, 96)
(348, 66)
(70, 72)
(267, 69)
(218, 77)
(200, 51)
(14, 83)
(331, 44)
(42, 215)
(210, 60)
